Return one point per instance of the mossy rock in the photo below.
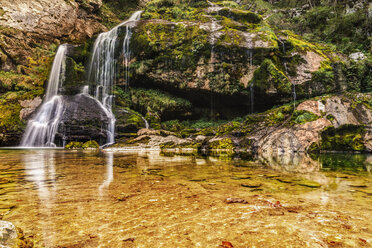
(91, 144)
(240, 15)
(303, 116)
(343, 138)
(74, 145)
(269, 79)
(185, 145)
(158, 105)
(222, 144)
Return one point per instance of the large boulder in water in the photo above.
(84, 119)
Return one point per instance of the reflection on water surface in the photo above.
(123, 199)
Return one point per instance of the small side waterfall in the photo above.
(41, 130)
(126, 46)
(85, 90)
(251, 86)
(147, 126)
(294, 95)
(102, 69)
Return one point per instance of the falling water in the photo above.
(251, 86)
(57, 74)
(102, 69)
(146, 123)
(126, 46)
(41, 130)
(294, 96)
(293, 86)
(85, 90)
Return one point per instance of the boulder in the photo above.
(84, 119)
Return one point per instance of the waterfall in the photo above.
(146, 123)
(102, 69)
(41, 130)
(57, 74)
(251, 86)
(294, 95)
(126, 49)
(85, 90)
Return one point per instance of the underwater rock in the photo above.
(8, 234)
(235, 200)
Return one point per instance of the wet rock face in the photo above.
(8, 234)
(84, 119)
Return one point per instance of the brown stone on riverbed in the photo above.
(226, 244)
(235, 200)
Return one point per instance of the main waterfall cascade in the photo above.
(102, 68)
(41, 130)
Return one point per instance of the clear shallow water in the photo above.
(122, 199)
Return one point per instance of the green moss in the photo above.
(325, 76)
(159, 103)
(223, 144)
(175, 10)
(154, 120)
(240, 15)
(330, 117)
(268, 76)
(186, 145)
(74, 77)
(230, 24)
(230, 127)
(179, 43)
(303, 116)
(344, 138)
(74, 145)
(14, 88)
(89, 144)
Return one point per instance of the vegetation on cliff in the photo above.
(197, 67)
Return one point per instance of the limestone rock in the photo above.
(312, 62)
(298, 138)
(43, 22)
(29, 107)
(146, 131)
(311, 106)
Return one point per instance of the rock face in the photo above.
(200, 60)
(225, 59)
(335, 112)
(25, 23)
